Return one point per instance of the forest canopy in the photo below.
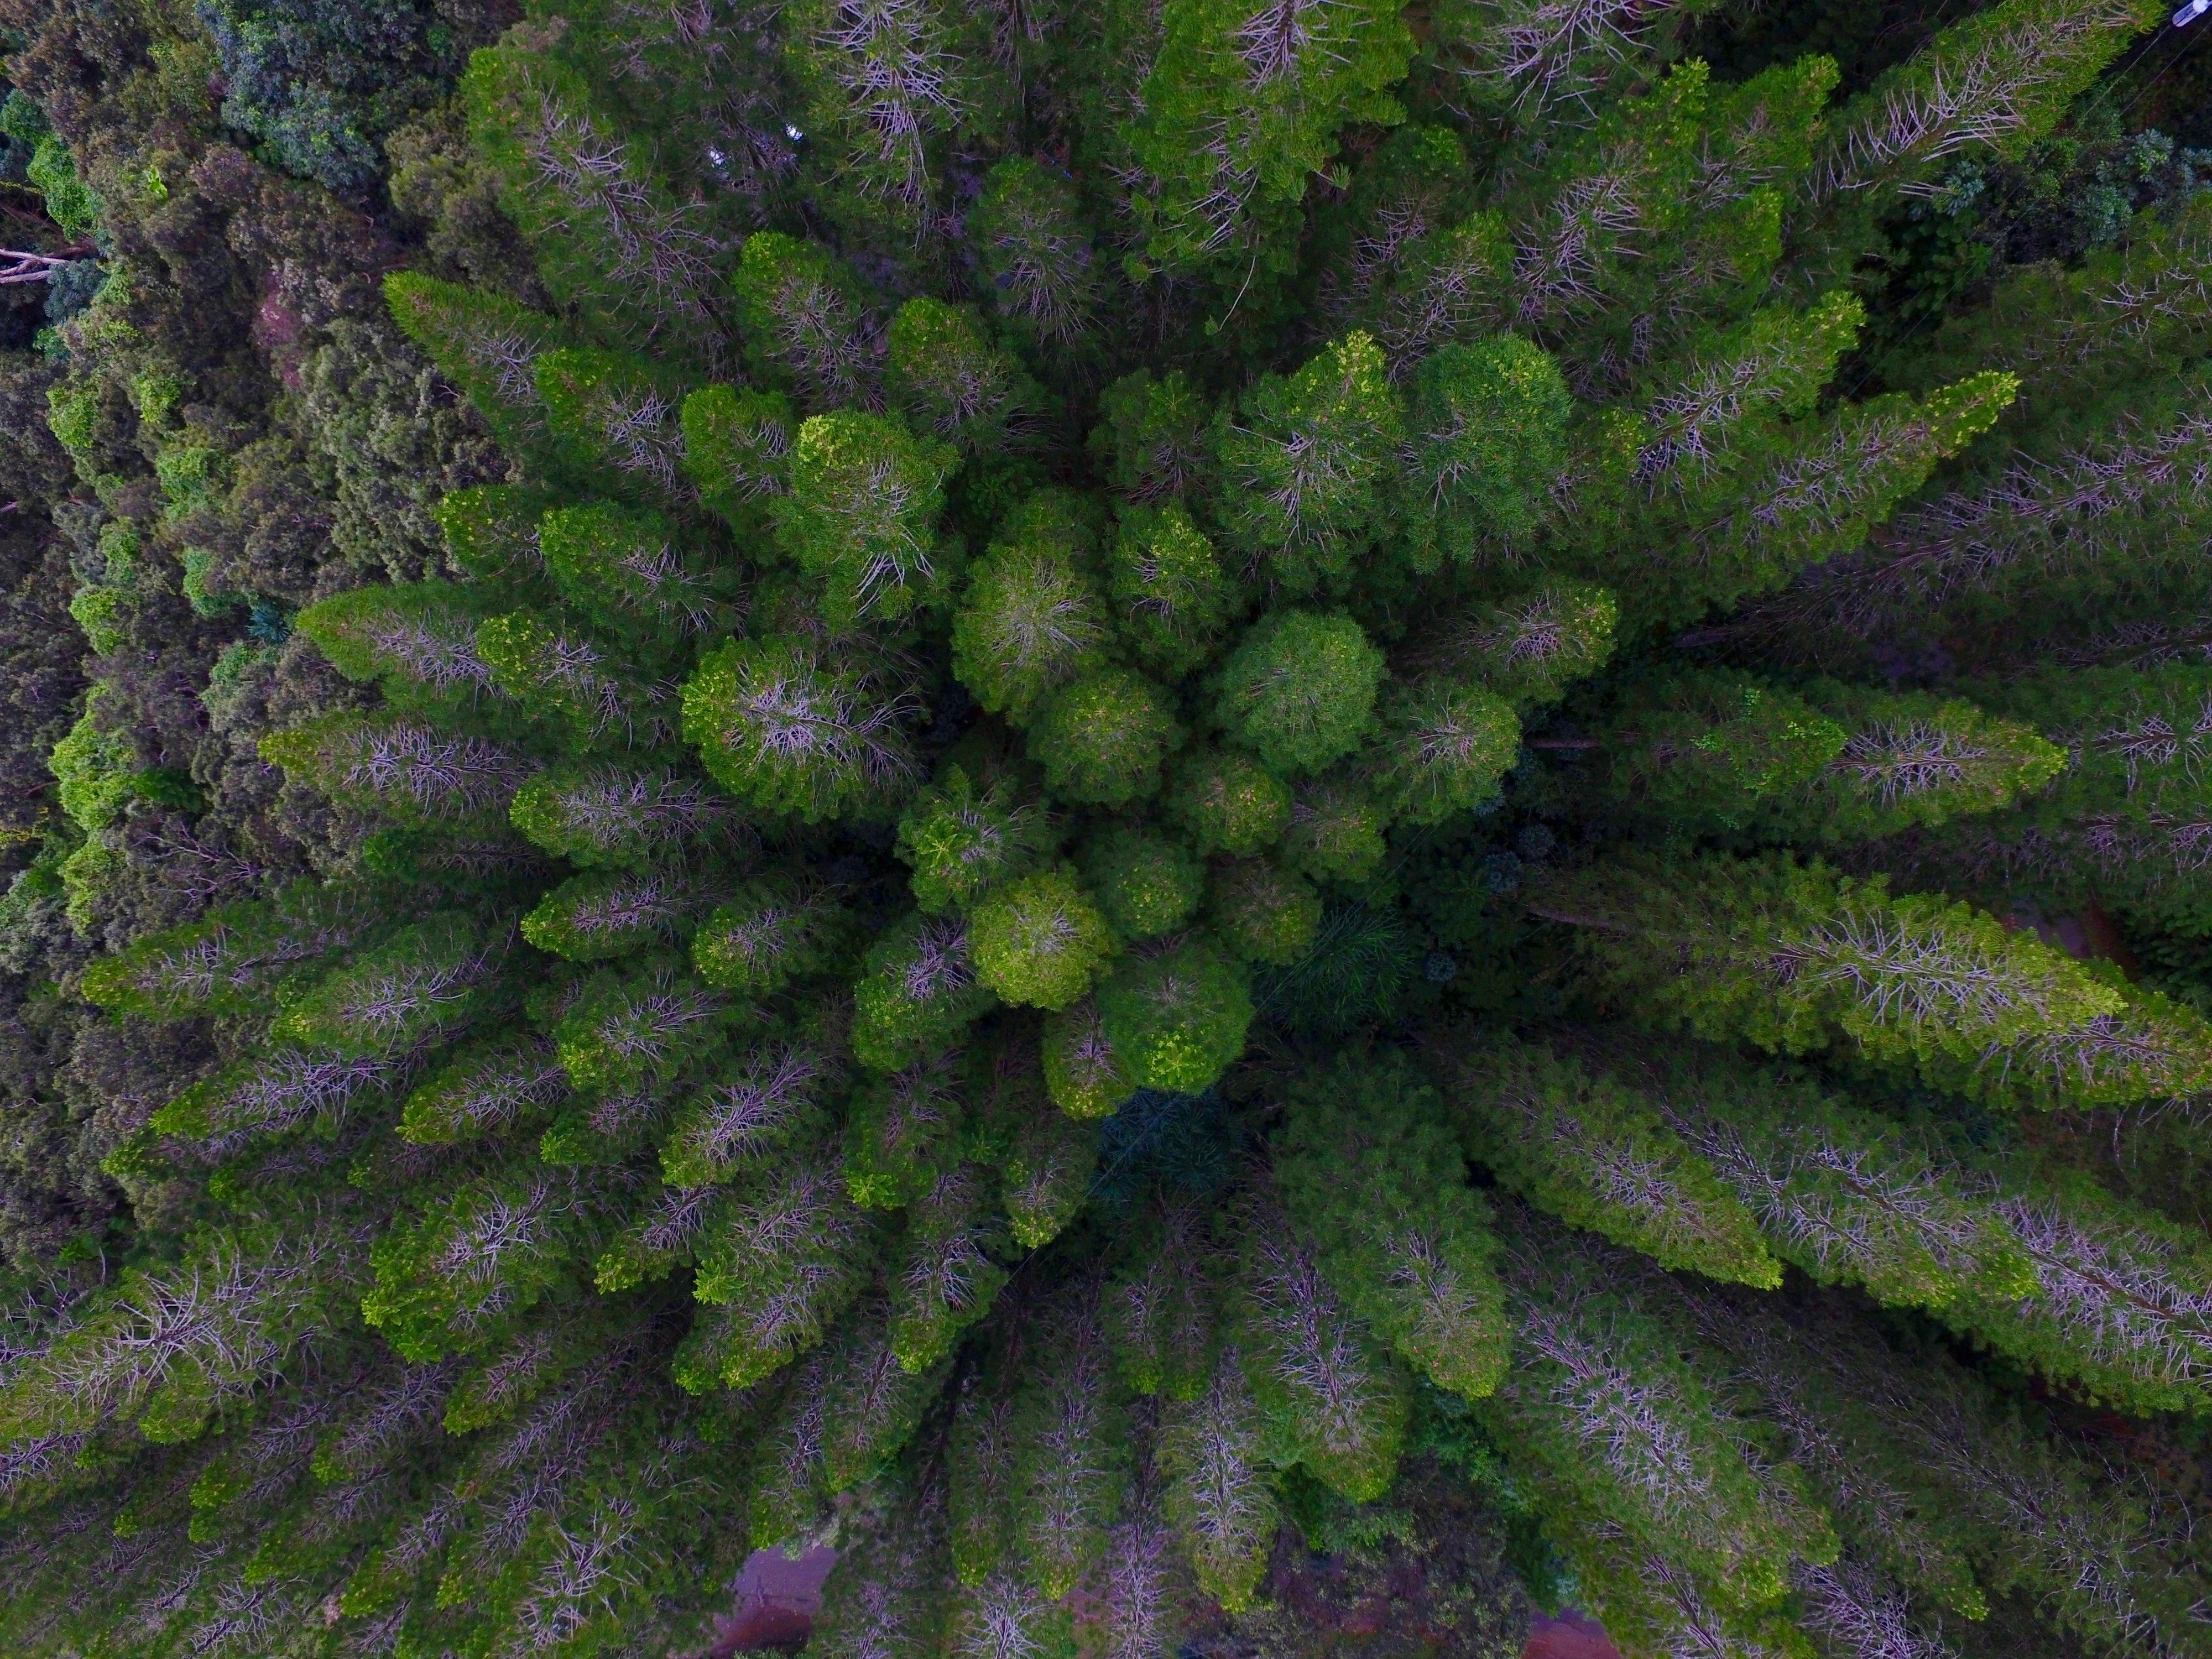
(1241, 827)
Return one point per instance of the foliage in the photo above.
(940, 787)
(317, 86)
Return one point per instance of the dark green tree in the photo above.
(1152, 813)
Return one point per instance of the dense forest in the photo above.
(1243, 828)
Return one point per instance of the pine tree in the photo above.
(1593, 1154)
(1828, 764)
(1032, 619)
(1302, 474)
(1241, 104)
(1994, 82)
(1368, 1168)
(1204, 768)
(1792, 957)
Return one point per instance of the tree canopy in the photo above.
(1194, 816)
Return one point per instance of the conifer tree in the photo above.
(1792, 957)
(1203, 767)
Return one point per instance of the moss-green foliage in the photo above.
(950, 380)
(964, 838)
(1263, 912)
(1299, 689)
(1151, 440)
(1335, 830)
(1225, 101)
(1551, 1130)
(405, 766)
(417, 643)
(67, 199)
(769, 933)
(1102, 739)
(1173, 1017)
(736, 451)
(1305, 468)
(917, 991)
(1040, 940)
(1838, 763)
(95, 768)
(1446, 747)
(1227, 802)
(1532, 645)
(608, 914)
(1103, 798)
(1085, 1076)
(1489, 431)
(1368, 1166)
(805, 317)
(1031, 619)
(612, 813)
(633, 571)
(786, 732)
(1147, 884)
(861, 514)
(489, 345)
(1915, 980)
(1170, 593)
(1037, 249)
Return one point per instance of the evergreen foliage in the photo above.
(1173, 784)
